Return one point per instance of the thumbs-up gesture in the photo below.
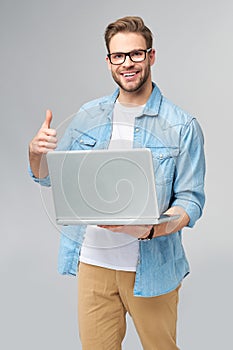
(45, 140)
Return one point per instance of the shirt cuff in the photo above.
(42, 181)
(192, 209)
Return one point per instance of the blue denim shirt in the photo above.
(176, 142)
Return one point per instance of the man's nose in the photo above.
(128, 62)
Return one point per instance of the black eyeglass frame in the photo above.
(128, 54)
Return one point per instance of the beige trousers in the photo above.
(104, 297)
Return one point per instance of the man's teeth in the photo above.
(129, 74)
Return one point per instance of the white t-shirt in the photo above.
(102, 247)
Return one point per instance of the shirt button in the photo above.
(136, 129)
(81, 141)
(160, 156)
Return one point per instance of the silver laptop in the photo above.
(104, 187)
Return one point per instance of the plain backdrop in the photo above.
(53, 56)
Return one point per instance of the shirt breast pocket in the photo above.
(164, 161)
(82, 141)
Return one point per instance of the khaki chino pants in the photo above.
(104, 297)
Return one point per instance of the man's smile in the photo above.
(129, 75)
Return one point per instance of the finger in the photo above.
(48, 119)
(51, 139)
(44, 150)
(43, 138)
(47, 145)
(48, 138)
(110, 226)
(48, 132)
(147, 232)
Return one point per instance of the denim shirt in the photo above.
(176, 142)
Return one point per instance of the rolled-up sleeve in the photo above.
(42, 181)
(190, 172)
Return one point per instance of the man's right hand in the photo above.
(44, 141)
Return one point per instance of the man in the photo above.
(119, 273)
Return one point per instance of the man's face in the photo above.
(130, 76)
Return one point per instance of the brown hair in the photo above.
(128, 24)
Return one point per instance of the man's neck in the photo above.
(139, 97)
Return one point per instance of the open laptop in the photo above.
(104, 187)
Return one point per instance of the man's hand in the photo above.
(136, 231)
(44, 141)
(166, 228)
(172, 226)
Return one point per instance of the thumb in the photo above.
(48, 119)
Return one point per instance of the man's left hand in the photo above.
(166, 228)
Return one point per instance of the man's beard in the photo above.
(136, 87)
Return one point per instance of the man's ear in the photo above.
(108, 62)
(152, 56)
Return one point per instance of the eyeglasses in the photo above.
(135, 56)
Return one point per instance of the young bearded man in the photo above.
(119, 273)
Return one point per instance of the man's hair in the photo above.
(129, 24)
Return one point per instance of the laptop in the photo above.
(104, 187)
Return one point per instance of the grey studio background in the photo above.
(53, 56)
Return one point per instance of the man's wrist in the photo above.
(149, 237)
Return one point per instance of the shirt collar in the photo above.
(152, 106)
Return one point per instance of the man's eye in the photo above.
(137, 53)
(117, 56)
